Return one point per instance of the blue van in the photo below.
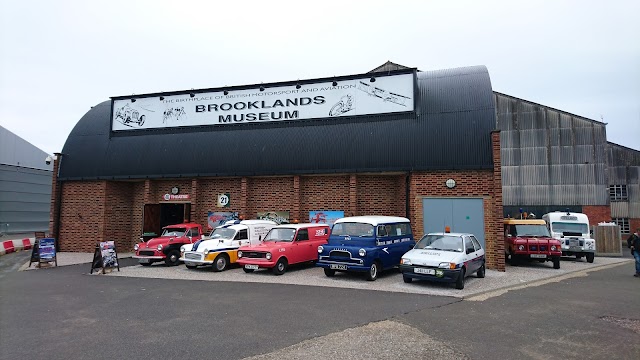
(368, 244)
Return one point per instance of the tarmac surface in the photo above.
(63, 313)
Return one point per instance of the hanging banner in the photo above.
(219, 218)
(325, 217)
(280, 217)
(351, 97)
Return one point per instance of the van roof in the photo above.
(373, 219)
(557, 215)
(525, 221)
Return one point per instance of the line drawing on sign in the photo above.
(383, 94)
(126, 115)
(176, 114)
(344, 105)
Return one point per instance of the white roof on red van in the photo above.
(299, 226)
(373, 220)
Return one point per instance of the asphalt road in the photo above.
(63, 313)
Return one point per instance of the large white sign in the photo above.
(387, 94)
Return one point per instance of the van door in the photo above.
(302, 248)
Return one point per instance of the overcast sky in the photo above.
(59, 58)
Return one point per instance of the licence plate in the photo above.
(338, 267)
(424, 271)
(143, 261)
(189, 263)
(575, 248)
(251, 267)
(539, 256)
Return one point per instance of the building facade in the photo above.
(437, 161)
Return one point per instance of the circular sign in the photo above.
(450, 183)
(175, 190)
(223, 200)
(167, 197)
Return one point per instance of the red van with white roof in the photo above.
(284, 245)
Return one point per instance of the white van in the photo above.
(220, 248)
(572, 229)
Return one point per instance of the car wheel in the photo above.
(514, 260)
(329, 272)
(460, 280)
(281, 267)
(247, 270)
(146, 264)
(590, 257)
(191, 266)
(173, 258)
(556, 263)
(374, 269)
(481, 272)
(407, 279)
(220, 263)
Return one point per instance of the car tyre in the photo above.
(220, 263)
(281, 266)
(329, 272)
(590, 257)
(407, 279)
(481, 272)
(374, 269)
(173, 258)
(514, 260)
(460, 280)
(248, 271)
(556, 263)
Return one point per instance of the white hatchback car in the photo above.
(444, 257)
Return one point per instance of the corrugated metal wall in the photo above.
(550, 157)
(25, 197)
(624, 169)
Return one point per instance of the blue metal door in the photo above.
(462, 215)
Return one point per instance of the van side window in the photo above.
(188, 233)
(382, 231)
(476, 243)
(195, 232)
(303, 234)
(242, 235)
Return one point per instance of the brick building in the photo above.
(396, 141)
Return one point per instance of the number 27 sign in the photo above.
(223, 200)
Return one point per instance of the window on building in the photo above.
(624, 224)
(618, 192)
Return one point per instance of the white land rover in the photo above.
(572, 229)
(220, 248)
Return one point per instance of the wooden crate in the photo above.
(608, 240)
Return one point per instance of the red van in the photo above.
(284, 245)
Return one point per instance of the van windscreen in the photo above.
(352, 229)
(560, 227)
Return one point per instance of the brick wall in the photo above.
(208, 190)
(270, 193)
(82, 215)
(597, 213)
(137, 209)
(162, 187)
(381, 195)
(118, 214)
(323, 193)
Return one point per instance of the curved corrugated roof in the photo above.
(455, 113)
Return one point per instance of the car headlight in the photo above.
(268, 256)
(239, 254)
(553, 248)
(362, 252)
(160, 247)
(182, 249)
(521, 247)
(405, 261)
(320, 249)
(446, 265)
(136, 247)
(206, 251)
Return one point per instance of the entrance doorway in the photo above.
(157, 216)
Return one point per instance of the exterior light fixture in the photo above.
(450, 183)
(373, 79)
(334, 83)
(226, 92)
(192, 95)
(298, 86)
(161, 98)
(261, 88)
(133, 100)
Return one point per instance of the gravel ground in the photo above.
(380, 340)
(389, 281)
